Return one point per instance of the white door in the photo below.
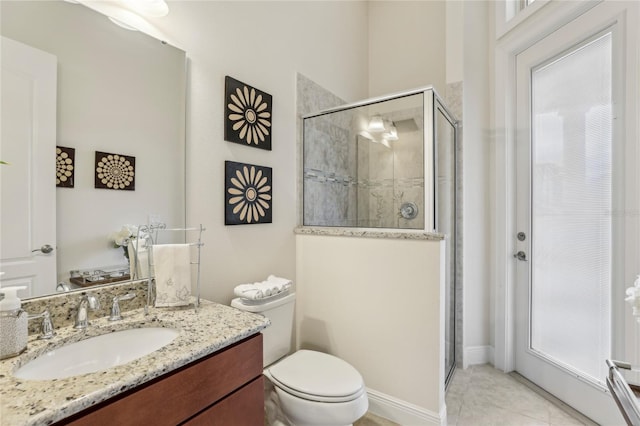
(570, 197)
(27, 183)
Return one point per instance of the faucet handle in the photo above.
(115, 307)
(93, 301)
(87, 302)
(46, 328)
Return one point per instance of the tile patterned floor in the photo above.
(484, 396)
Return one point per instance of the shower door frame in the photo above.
(429, 111)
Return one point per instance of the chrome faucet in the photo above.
(87, 302)
(115, 307)
(46, 327)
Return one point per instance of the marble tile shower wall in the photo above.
(388, 177)
(311, 98)
(330, 174)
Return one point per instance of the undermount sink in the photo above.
(96, 353)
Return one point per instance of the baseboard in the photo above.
(402, 412)
(476, 355)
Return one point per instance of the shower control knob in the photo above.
(408, 210)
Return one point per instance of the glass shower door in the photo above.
(445, 145)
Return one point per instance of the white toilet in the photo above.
(309, 388)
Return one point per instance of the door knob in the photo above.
(45, 249)
(521, 256)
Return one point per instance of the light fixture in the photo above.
(391, 133)
(376, 124)
(149, 8)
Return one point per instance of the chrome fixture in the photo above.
(115, 307)
(46, 327)
(522, 256)
(87, 302)
(62, 287)
(45, 249)
(408, 210)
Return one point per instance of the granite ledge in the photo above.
(369, 233)
(40, 402)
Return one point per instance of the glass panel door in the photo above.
(571, 206)
(568, 182)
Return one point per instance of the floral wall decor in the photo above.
(65, 166)
(115, 171)
(248, 197)
(247, 115)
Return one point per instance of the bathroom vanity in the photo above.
(210, 374)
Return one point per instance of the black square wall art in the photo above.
(115, 171)
(65, 166)
(247, 115)
(247, 194)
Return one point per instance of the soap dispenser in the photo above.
(13, 323)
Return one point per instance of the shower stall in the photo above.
(387, 163)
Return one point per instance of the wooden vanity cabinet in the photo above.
(224, 388)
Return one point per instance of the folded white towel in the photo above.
(248, 291)
(259, 290)
(281, 284)
(172, 266)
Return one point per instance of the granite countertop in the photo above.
(401, 234)
(37, 402)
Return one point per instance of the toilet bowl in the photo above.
(307, 388)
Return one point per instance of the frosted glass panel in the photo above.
(571, 156)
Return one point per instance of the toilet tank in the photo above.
(277, 337)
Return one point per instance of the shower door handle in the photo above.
(522, 256)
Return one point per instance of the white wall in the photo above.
(263, 44)
(476, 149)
(407, 47)
(379, 305)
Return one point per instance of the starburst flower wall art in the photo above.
(115, 171)
(65, 166)
(248, 197)
(247, 115)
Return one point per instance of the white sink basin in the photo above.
(96, 353)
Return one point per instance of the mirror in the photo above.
(119, 92)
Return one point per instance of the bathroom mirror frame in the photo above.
(155, 135)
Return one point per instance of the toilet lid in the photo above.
(318, 374)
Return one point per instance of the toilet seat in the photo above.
(316, 376)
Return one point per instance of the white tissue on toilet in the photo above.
(633, 297)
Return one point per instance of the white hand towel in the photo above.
(248, 291)
(172, 265)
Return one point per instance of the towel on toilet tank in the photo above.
(248, 291)
(280, 284)
(172, 266)
(259, 290)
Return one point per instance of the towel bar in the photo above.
(624, 397)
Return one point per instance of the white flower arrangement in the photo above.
(123, 236)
